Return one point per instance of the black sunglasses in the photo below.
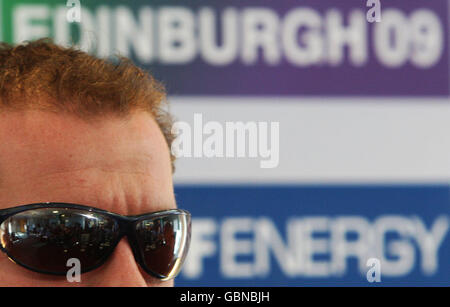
(43, 236)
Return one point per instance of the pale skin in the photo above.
(120, 165)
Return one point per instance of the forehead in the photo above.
(39, 148)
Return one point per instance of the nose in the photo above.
(121, 270)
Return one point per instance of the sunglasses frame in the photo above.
(126, 225)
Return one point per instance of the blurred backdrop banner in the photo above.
(313, 144)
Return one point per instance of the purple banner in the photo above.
(309, 47)
(260, 47)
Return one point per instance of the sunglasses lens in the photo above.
(164, 242)
(44, 239)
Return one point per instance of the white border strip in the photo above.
(329, 140)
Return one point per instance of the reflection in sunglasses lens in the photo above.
(163, 243)
(44, 239)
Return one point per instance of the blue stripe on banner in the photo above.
(316, 235)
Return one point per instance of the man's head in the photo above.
(78, 129)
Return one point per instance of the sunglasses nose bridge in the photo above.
(126, 225)
(127, 229)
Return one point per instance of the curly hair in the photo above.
(42, 75)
